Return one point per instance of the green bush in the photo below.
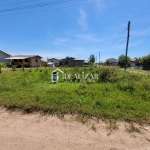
(107, 74)
(13, 67)
(2, 65)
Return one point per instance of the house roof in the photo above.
(53, 58)
(4, 53)
(68, 58)
(132, 59)
(111, 59)
(78, 59)
(29, 56)
(86, 61)
(17, 57)
(23, 56)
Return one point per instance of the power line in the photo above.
(17, 3)
(56, 4)
(36, 5)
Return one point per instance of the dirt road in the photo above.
(35, 132)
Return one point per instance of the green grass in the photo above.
(116, 95)
(93, 127)
(146, 72)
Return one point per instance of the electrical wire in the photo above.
(57, 4)
(17, 3)
(37, 5)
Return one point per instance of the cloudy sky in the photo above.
(75, 28)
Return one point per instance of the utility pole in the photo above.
(99, 57)
(128, 34)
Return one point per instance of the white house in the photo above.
(134, 63)
(53, 62)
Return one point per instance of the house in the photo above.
(112, 61)
(33, 60)
(70, 61)
(135, 62)
(86, 63)
(4, 55)
(53, 62)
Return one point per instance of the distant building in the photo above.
(53, 62)
(135, 62)
(70, 61)
(33, 60)
(86, 63)
(4, 55)
(112, 61)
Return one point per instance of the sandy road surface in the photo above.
(35, 132)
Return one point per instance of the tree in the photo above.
(92, 58)
(2, 65)
(107, 63)
(122, 61)
(145, 61)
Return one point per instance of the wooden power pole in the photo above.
(128, 35)
(99, 58)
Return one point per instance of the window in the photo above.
(66, 62)
(26, 60)
(36, 60)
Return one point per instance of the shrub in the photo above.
(107, 74)
(13, 67)
(2, 65)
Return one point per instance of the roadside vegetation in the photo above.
(115, 95)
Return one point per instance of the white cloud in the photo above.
(57, 41)
(99, 4)
(82, 19)
(88, 38)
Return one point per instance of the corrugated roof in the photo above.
(29, 56)
(17, 57)
(78, 59)
(23, 56)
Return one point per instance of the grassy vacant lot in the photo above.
(115, 95)
(131, 69)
